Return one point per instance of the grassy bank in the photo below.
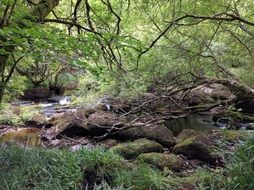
(51, 169)
(39, 168)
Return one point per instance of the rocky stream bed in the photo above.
(149, 128)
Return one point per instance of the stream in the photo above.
(201, 122)
(55, 105)
(194, 121)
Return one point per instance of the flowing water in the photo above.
(51, 108)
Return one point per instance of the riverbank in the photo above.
(163, 143)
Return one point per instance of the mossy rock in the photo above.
(38, 120)
(233, 135)
(137, 147)
(197, 147)
(158, 133)
(187, 133)
(23, 136)
(161, 161)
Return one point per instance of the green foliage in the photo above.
(15, 88)
(88, 84)
(39, 168)
(15, 115)
(238, 173)
(111, 52)
(241, 170)
(142, 177)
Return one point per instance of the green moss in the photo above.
(162, 161)
(133, 149)
(186, 142)
(233, 135)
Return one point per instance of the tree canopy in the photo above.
(126, 44)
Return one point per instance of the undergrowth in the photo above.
(51, 169)
(238, 173)
(98, 169)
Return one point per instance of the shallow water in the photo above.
(198, 122)
(49, 109)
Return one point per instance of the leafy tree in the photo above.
(15, 17)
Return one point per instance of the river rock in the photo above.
(100, 121)
(23, 136)
(161, 161)
(38, 120)
(187, 133)
(37, 93)
(159, 133)
(4, 128)
(137, 147)
(208, 93)
(54, 99)
(108, 143)
(196, 146)
(70, 124)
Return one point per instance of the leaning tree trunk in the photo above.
(37, 14)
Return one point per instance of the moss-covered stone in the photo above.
(233, 135)
(38, 120)
(161, 161)
(23, 136)
(187, 133)
(158, 133)
(198, 147)
(137, 147)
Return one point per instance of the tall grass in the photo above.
(52, 169)
(38, 168)
(241, 170)
(238, 173)
(98, 169)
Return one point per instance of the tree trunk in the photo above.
(37, 14)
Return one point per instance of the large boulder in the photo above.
(70, 124)
(159, 133)
(196, 146)
(54, 99)
(100, 121)
(187, 133)
(161, 161)
(22, 136)
(37, 93)
(208, 93)
(38, 120)
(137, 147)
